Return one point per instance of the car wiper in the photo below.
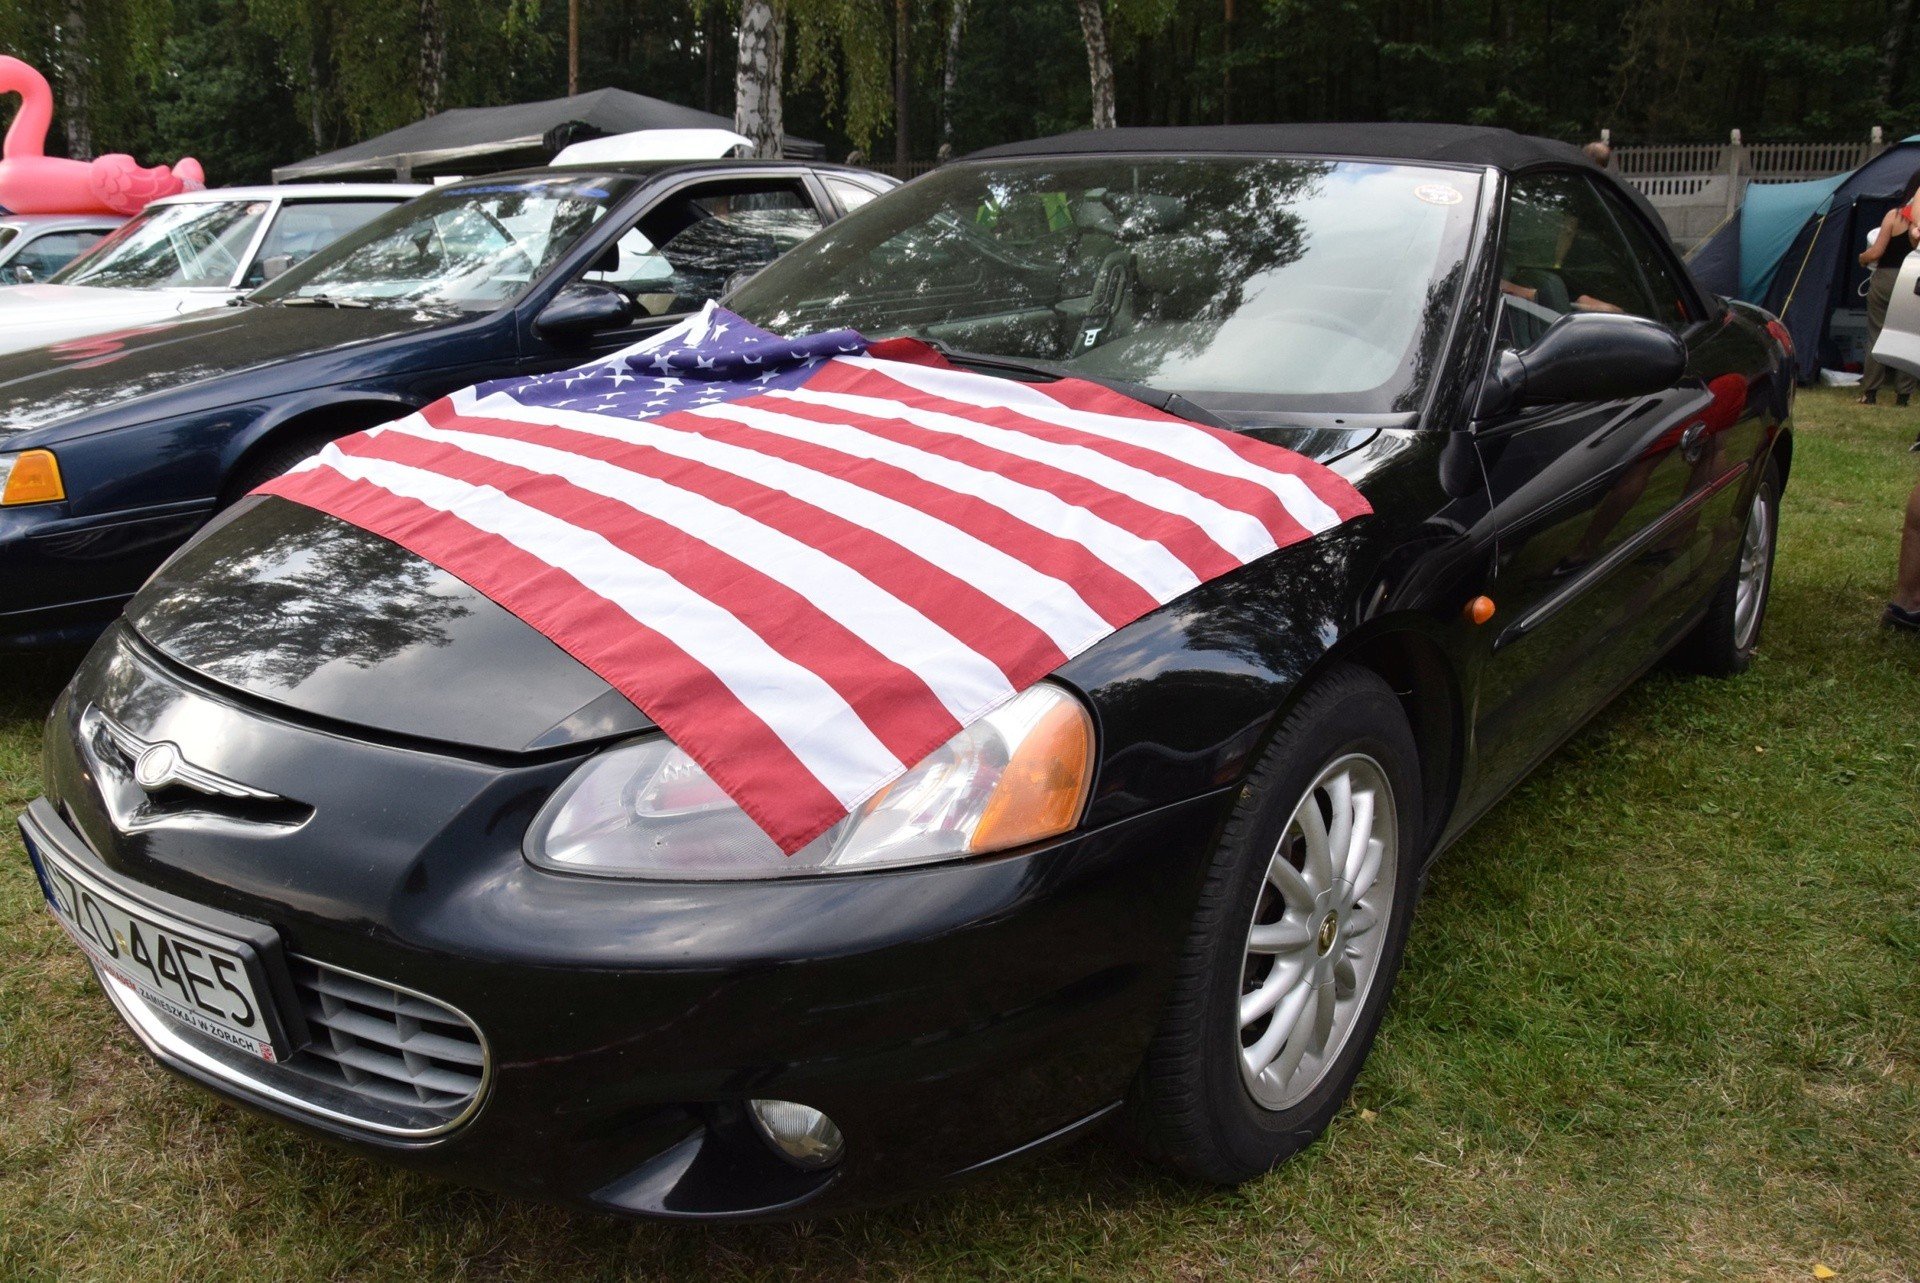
(1171, 402)
(322, 300)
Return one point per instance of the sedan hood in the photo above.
(289, 605)
(33, 316)
(46, 385)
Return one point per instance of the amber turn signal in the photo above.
(32, 476)
(1044, 785)
(1479, 610)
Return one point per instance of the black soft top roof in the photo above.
(1452, 144)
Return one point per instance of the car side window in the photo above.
(46, 255)
(1670, 306)
(303, 228)
(851, 195)
(1563, 252)
(685, 250)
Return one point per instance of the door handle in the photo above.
(1693, 441)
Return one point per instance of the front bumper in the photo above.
(64, 578)
(943, 1017)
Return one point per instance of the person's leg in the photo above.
(1879, 296)
(1904, 610)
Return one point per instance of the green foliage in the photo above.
(249, 83)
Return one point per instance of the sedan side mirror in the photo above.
(1586, 356)
(582, 309)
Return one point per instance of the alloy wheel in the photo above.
(1750, 577)
(1318, 931)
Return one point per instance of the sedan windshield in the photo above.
(472, 248)
(1240, 283)
(192, 244)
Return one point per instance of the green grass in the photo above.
(1660, 1018)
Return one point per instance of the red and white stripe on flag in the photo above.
(812, 576)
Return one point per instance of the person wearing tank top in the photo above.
(1889, 249)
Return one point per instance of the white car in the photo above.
(35, 246)
(189, 253)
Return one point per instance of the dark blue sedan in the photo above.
(115, 448)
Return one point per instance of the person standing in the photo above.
(1889, 249)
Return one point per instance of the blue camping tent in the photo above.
(1792, 248)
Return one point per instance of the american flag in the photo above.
(812, 561)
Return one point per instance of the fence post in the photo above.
(1734, 164)
(1877, 144)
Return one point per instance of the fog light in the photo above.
(803, 1135)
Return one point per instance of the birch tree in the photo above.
(1093, 26)
(950, 73)
(758, 113)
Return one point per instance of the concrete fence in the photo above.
(1698, 186)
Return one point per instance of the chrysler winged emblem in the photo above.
(159, 764)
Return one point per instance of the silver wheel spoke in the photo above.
(1285, 978)
(1285, 1021)
(1287, 881)
(1363, 879)
(1317, 868)
(1360, 836)
(1360, 921)
(1297, 1044)
(1278, 937)
(1323, 1017)
(1345, 978)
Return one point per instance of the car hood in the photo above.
(104, 371)
(289, 605)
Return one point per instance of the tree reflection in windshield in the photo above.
(474, 247)
(1250, 282)
(195, 243)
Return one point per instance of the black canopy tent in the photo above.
(478, 140)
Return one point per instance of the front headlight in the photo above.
(646, 809)
(32, 476)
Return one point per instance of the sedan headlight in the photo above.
(646, 809)
(31, 476)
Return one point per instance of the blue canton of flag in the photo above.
(707, 359)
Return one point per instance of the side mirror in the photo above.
(1586, 356)
(274, 264)
(582, 309)
(20, 274)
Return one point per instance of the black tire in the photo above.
(271, 460)
(1720, 646)
(1191, 1105)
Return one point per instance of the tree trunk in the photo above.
(950, 74)
(75, 80)
(573, 47)
(902, 125)
(758, 113)
(1093, 25)
(433, 58)
(1893, 47)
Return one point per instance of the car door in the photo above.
(687, 248)
(1588, 498)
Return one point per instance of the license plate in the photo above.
(198, 977)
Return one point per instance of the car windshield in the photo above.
(473, 248)
(1240, 283)
(195, 243)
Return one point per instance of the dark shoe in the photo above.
(1900, 399)
(1915, 447)
(1867, 398)
(1899, 618)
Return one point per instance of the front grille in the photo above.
(391, 1046)
(378, 1058)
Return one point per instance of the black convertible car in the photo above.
(305, 804)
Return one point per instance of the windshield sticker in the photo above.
(1438, 194)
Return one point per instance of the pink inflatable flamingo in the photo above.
(31, 182)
